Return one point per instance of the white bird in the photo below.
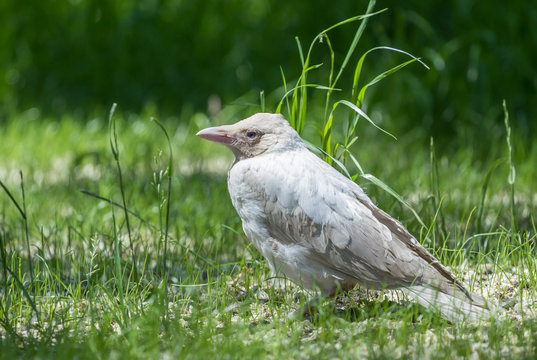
(319, 229)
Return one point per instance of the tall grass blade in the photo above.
(337, 162)
(6, 302)
(300, 51)
(115, 151)
(278, 109)
(357, 36)
(326, 136)
(300, 105)
(6, 269)
(331, 74)
(359, 65)
(293, 91)
(6, 190)
(169, 173)
(359, 111)
(119, 272)
(356, 163)
(358, 96)
(374, 180)
(378, 78)
(22, 212)
(26, 231)
(23, 289)
(512, 173)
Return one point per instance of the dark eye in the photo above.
(251, 134)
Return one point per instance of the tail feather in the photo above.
(454, 304)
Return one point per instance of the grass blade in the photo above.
(359, 65)
(380, 77)
(169, 173)
(337, 162)
(293, 91)
(6, 190)
(372, 179)
(115, 151)
(512, 173)
(23, 288)
(23, 214)
(26, 231)
(364, 115)
(119, 272)
(278, 109)
(357, 36)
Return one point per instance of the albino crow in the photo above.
(319, 229)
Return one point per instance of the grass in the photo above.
(124, 243)
(93, 299)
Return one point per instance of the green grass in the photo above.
(211, 297)
(125, 243)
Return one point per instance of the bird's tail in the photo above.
(455, 304)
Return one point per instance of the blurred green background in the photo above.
(80, 56)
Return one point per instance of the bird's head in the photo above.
(258, 134)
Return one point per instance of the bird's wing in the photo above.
(402, 234)
(307, 202)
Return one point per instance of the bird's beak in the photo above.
(218, 134)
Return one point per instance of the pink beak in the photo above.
(217, 134)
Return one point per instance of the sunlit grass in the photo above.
(213, 298)
(178, 279)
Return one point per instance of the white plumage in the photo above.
(319, 229)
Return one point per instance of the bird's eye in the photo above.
(251, 134)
